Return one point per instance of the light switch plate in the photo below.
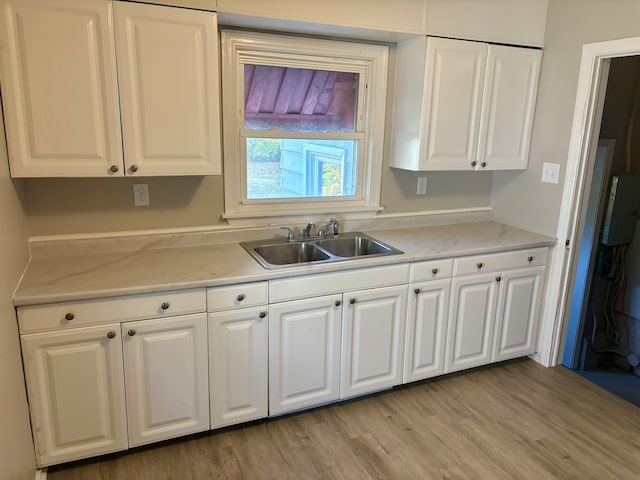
(550, 173)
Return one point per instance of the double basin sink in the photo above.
(275, 253)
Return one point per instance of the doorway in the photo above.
(603, 311)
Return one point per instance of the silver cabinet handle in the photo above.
(111, 335)
(434, 271)
(416, 291)
(338, 303)
(483, 164)
(165, 305)
(530, 259)
(480, 265)
(114, 168)
(262, 314)
(474, 163)
(241, 297)
(134, 168)
(352, 301)
(69, 316)
(498, 279)
(131, 332)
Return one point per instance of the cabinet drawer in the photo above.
(493, 262)
(237, 296)
(431, 270)
(330, 283)
(116, 309)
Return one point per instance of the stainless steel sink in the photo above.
(280, 252)
(354, 246)
(290, 253)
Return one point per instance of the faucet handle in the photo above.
(307, 229)
(290, 236)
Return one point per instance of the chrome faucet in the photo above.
(306, 233)
(334, 226)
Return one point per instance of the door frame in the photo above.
(592, 80)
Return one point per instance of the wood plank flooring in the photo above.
(516, 420)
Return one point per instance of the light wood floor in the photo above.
(512, 421)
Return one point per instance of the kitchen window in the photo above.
(303, 126)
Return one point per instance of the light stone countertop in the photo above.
(144, 270)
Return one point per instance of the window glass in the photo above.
(290, 168)
(299, 99)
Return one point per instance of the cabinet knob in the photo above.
(133, 168)
(114, 168)
(352, 301)
(530, 259)
(111, 335)
(338, 303)
(498, 279)
(262, 314)
(131, 332)
(474, 163)
(165, 305)
(69, 316)
(241, 297)
(435, 271)
(416, 291)
(483, 164)
(480, 265)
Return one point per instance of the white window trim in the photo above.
(368, 60)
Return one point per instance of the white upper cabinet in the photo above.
(463, 105)
(61, 99)
(510, 92)
(59, 87)
(168, 77)
(511, 22)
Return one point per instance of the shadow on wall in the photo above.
(445, 190)
(93, 205)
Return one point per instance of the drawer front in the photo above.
(330, 283)
(494, 262)
(237, 296)
(108, 310)
(431, 270)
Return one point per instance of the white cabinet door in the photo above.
(168, 77)
(76, 393)
(60, 93)
(166, 376)
(511, 88)
(426, 329)
(455, 72)
(238, 366)
(518, 313)
(471, 321)
(304, 353)
(373, 329)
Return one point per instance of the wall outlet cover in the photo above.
(422, 185)
(141, 194)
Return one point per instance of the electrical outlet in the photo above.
(550, 173)
(422, 185)
(140, 194)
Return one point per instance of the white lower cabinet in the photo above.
(166, 377)
(428, 313)
(518, 312)
(304, 353)
(75, 382)
(373, 328)
(238, 365)
(471, 322)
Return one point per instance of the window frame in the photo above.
(368, 60)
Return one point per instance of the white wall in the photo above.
(17, 461)
(519, 198)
